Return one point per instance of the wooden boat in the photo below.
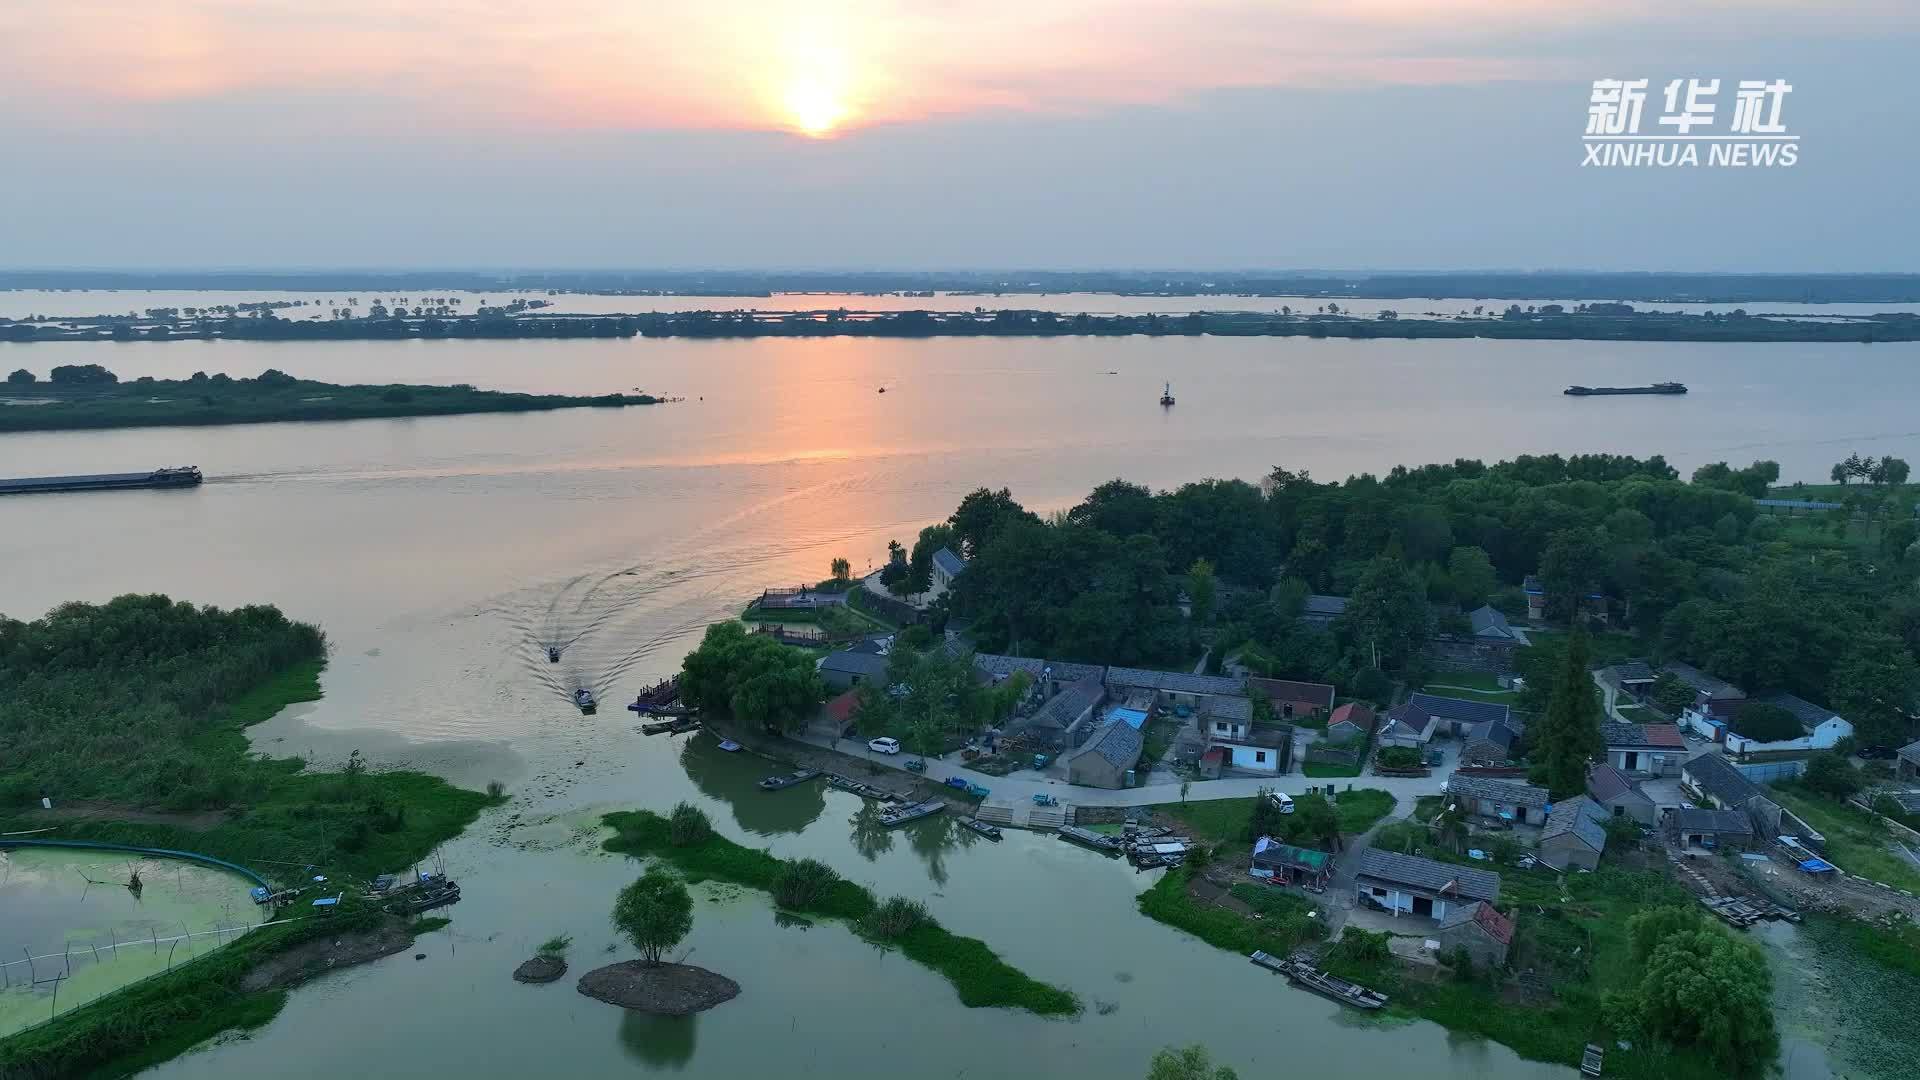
(1087, 838)
(422, 896)
(1307, 977)
(1591, 1059)
(674, 726)
(900, 815)
(986, 829)
(781, 783)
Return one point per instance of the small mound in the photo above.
(663, 990)
(540, 969)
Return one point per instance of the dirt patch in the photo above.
(317, 957)
(662, 989)
(90, 809)
(540, 969)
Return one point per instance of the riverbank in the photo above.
(271, 397)
(982, 979)
(157, 733)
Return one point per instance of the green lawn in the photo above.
(1472, 680)
(1856, 841)
(1321, 771)
(1361, 807)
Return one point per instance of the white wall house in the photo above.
(1252, 758)
(1823, 728)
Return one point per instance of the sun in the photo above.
(816, 105)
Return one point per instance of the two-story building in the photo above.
(1821, 727)
(1644, 750)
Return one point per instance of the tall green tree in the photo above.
(1874, 686)
(1201, 590)
(1472, 574)
(655, 913)
(1567, 737)
(1387, 617)
(1187, 1063)
(1706, 990)
(751, 676)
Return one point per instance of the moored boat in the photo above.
(781, 783)
(1307, 977)
(986, 829)
(1087, 838)
(900, 815)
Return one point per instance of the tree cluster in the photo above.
(752, 677)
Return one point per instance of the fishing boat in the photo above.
(986, 829)
(1307, 977)
(583, 697)
(677, 726)
(1087, 838)
(553, 655)
(900, 815)
(781, 783)
(1605, 391)
(1166, 395)
(423, 895)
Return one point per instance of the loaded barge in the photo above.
(185, 476)
(1605, 391)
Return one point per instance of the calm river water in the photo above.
(441, 555)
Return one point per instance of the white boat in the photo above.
(583, 697)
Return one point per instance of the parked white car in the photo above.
(884, 745)
(1282, 800)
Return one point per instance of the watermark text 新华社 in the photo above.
(1686, 132)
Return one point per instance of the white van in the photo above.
(1282, 800)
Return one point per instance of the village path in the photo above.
(1018, 789)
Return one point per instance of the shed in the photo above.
(1350, 722)
(1713, 829)
(1510, 801)
(1619, 794)
(1294, 699)
(845, 669)
(1481, 930)
(1573, 837)
(1286, 864)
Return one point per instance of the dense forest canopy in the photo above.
(1822, 606)
(107, 700)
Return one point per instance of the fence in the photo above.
(1766, 772)
(54, 969)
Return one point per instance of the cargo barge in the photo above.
(1604, 391)
(185, 476)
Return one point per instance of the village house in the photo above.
(1243, 744)
(846, 669)
(1486, 934)
(1408, 885)
(1486, 730)
(1408, 726)
(1320, 612)
(1490, 625)
(1573, 837)
(837, 716)
(1107, 757)
(946, 567)
(1510, 801)
(1908, 761)
(1620, 795)
(1065, 711)
(1718, 783)
(1351, 722)
(1490, 742)
(1285, 864)
(1295, 700)
(1644, 749)
(1692, 826)
(1633, 678)
(1714, 701)
(1822, 728)
(1174, 688)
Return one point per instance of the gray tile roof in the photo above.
(1498, 732)
(1500, 791)
(1471, 712)
(948, 563)
(1497, 926)
(1425, 875)
(855, 663)
(1632, 671)
(1324, 607)
(1911, 752)
(1715, 689)
(1066, 706)
(1318, 695)
(1579, 817)
(1715, 776)
(1118, 742)
(1066, 671)
(1810, 715)
(1696, 819)
(1230, 708)
(1489, 622)
(998, 666)
(1405, 719)
(1618, 735)
(1176, 682)
(1606, 782)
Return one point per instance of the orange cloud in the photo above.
(812, 69)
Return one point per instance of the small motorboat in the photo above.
(986, 829)
(583, 697)
(553, 655)
(1166, 395)
(883, 390)
(729, 746)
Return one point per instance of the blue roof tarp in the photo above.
(1818, 866)
(1134, 717)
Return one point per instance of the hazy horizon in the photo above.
(1223, 136)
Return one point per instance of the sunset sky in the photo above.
(992, 133)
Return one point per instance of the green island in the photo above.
(88, 396)
(808, 887)
(131, 714)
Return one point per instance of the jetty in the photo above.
(183, 476)
(659, 698)
(781, 783)
(1087, 838)
(900, 815)
(1307, 977)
